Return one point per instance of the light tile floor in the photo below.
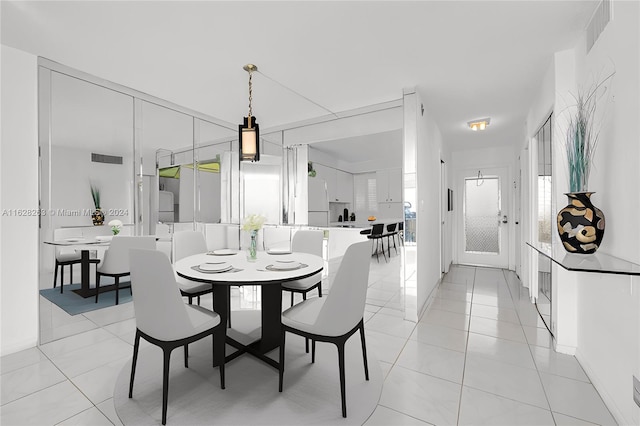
(479, 355)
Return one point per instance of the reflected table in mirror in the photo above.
(268, 272)
(84, 246)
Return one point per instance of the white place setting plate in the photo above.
(73, 240)
(284, 265)
(215, 267)
(103, 238)
(222, 252)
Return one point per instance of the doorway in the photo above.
(483, 220)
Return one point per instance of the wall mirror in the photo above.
(124, 143)
(546, 220)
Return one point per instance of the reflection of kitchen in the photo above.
(347, 188)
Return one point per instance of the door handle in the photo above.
(504, 219)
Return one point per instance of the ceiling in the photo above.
(468, 59)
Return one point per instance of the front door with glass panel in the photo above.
(483, 219)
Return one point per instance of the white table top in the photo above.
(251, 272)
(80, 243)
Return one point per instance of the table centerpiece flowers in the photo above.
(252, 224)
(115, 225)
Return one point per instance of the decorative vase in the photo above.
(253, 246)
(581, 224)
(97, 217)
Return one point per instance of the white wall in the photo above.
(18, 190)
(608, 307)
(598, 315)
(428, 149)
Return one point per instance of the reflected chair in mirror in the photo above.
(335, 317)
(391, 234)
(175, 324)
(306, 242)
(66, 256)
(377, 234)
(116, 260)
(401, 233)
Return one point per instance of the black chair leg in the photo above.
(228, 307)
(364, 351)
(62, 279)
(281, 372)
(55, 276)
(117, 290)
(190, 300)
(304, 296)
(222, 385)
(186, 356)
(97, 286)
(198, 300)
(291, 298)
(320, 289)
(306, 345)
(165, 383)
(313, 351)
(136, 345)
(340, 346)
(71, 273)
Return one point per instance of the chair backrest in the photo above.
(344, 306)
(276, 237)
(116, 258)
(308, 242)
(188, 243)
(377, 229)
(391, 227)
(159, 308)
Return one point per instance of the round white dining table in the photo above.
(266, 272)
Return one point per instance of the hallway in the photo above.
(480, 355)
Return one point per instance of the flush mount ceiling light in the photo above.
(249, 132)
(479, 124)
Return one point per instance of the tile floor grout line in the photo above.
(404, 414)
(544, 390)
(466, 347)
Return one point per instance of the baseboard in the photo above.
(18, 346)
(427, 303)
(599, 386)
(563, 349)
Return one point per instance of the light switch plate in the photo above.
(636, 390)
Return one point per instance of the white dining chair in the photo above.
(336, 317)
(306, 242)
(66, 256)
(162, 318)
(188, 243)
(116, 259)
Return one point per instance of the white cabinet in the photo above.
(390, 210)
(389, 185)
(344, 190)
(339, 183)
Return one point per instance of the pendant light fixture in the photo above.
(249, 132)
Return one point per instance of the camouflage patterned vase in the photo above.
(581, 224)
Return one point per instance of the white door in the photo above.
(483, 237)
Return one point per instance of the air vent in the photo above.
(103, 158)
(599, 21)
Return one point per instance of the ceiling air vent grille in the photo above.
(103, 158)
(599, 21)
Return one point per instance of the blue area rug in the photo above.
(74, 304)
